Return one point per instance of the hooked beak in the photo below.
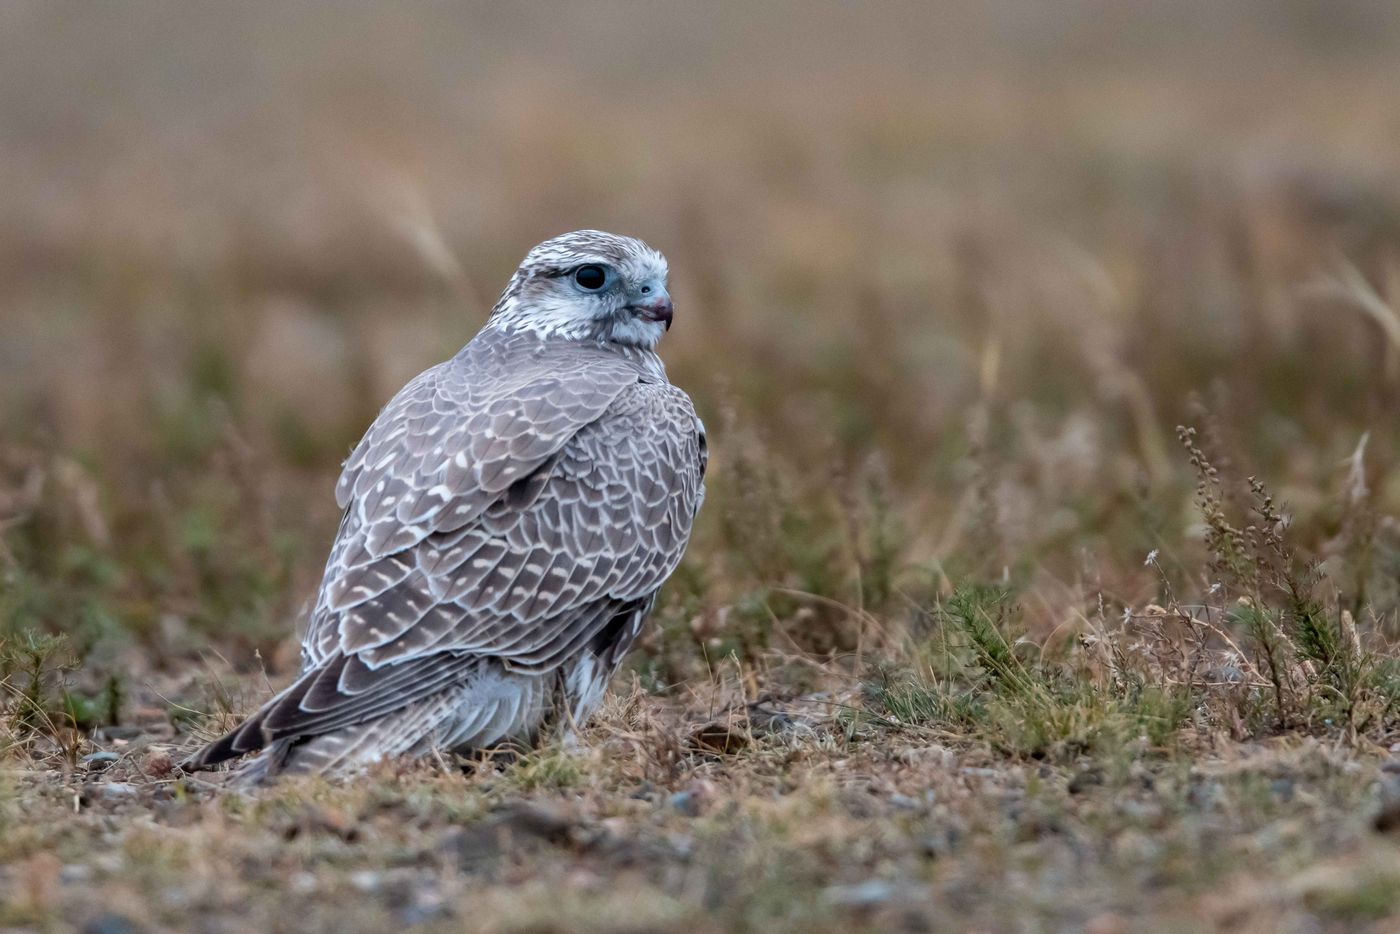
(655, 306)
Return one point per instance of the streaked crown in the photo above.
(589, 285)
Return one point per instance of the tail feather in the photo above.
(489, 707)
(341, 692)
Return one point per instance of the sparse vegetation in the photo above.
(971, 635)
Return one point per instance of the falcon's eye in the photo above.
(590, 277)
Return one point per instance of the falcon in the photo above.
(508, 520)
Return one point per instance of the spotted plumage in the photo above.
(508, 520)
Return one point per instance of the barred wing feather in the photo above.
(492, 539)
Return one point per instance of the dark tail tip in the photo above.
(245, 738)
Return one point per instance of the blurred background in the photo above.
(948, 276)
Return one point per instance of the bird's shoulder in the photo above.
(605, 511)
(465, 431)
(651, 412)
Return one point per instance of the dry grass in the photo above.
(972, 635)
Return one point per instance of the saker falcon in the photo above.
(509, 518)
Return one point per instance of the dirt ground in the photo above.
(1049, 572)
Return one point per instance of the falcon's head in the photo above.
(589, 285)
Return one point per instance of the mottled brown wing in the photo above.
(599, 527)
(456, 440)
(548, 568)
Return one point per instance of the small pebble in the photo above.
(1083, 780)
(694, 798)
(980, 772)
(117, 789)
(96, 761)
(416, 914)
(157, 764)
(365, 880)
(1223, 674)
(75, 873)
(862, 895)
(1141, 811)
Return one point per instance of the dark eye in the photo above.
(590, 277)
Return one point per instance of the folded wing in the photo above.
(507, 505)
